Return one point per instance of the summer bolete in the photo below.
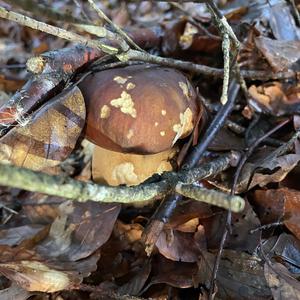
(139, 109)
(135, 115)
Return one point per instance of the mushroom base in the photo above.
(115, 168)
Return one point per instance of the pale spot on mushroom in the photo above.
(185, 126)
(184, 88)
(120, 79)
(124, 173)
(163, 112)
(105, 112)
(125, 103)
(162, 133)
(129, 134)
(130, 86)
(156, 124)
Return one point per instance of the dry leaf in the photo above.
(46, 138)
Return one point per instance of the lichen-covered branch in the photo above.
(66, 187)
(43, 11)
(233, 203)
(64, 34)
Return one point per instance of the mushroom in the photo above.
(115, 168)
(137, 110)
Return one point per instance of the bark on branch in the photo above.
(66, 187)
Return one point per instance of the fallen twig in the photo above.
(43, 11)
(139, 55)
(66, 187)
(64, 34)
(122, 33)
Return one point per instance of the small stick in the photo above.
(43, 11)
(215, 126)
(64, 34)
(123, 34)
(62, 186)
(233, 203)
(267, 226)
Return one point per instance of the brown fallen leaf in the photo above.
(38, 276)
(79, 230)
(280, 205)
(281, 55)
(175, 274)
(46, 138)
(241, 225)
(240, 275)
(181, 246)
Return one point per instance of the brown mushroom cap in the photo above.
(139, 109)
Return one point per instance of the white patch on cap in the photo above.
(125, 103)
(129, 134)
(105, 112)
(185, 126)
(120, 79)
(184, 88)
(162, 133)
(163, 112)
(156, 124)
(130, 86)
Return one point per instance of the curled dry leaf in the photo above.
(181, 246)
(172, 273)
(280, 166)
(46, 138)
(280, 205)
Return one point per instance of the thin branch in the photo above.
(215, 126)
(233, 203)
(64, 34)
(66, 187)
(200, 69)
(123, 34)
(43, 11)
